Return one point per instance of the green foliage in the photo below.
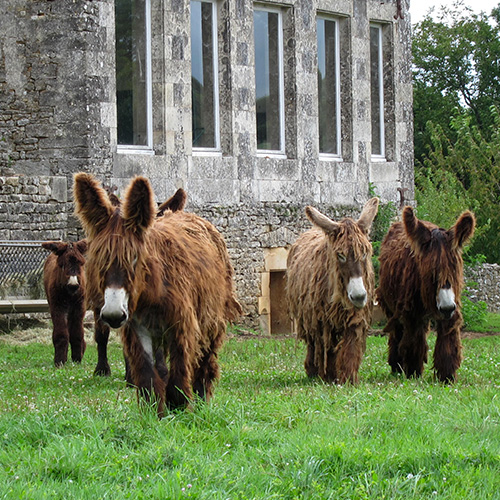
(474, 312)
(465, 174)
(269, 432)
(386, 215)
(455, 57)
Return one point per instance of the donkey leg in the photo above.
(60, 337)
(395, 330)
(448, 350)
(310, 364)
(101, 337)
(178, 392)
(138, 349)
(350, 352)
(208, 369)
(329, 373)
(76, 334)
(413, 346)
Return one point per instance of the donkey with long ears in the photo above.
(166, 282)
(421, 278)
(101, 335)
(64, 283)
(330, 292)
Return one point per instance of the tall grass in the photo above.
(268, 433)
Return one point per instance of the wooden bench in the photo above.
(13, 306)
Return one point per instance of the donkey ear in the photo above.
(139, 208)
(415, 230)
(322, 221)
(93, 207)
(368, 214)
(81, 246)
(57, 247)
(175, 203)
(463, 229)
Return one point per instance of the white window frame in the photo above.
(148, 147)
(216, 150)
(381, 155)
(281, 78)
(338, 155)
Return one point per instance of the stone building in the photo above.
(255, 108)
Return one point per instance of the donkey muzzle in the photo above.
(114, 312)
(356, 292)
(445, 302)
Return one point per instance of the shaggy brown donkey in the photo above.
(421, 278)
(166, 282)
(101, 333)
(330, 292)
(64, 282)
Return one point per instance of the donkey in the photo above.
(175, 203)
(64, 283)
(421, 278)
(166, 282)
(330, 292)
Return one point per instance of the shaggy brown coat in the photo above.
(417, 260)
(102, 331)
(64, 282)
(179, 280)
(320, 264)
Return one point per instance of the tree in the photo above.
(456, 66)
(464, 173)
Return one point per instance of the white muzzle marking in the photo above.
(115, 308)
(356, 292)
(73, 281)
(446, 301)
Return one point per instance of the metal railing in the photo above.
(21, 268)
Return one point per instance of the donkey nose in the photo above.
(114, 312)
(446, 304)
(448, 310)
(73, 284)
(114, 319)
(359, 299)
(356, 292)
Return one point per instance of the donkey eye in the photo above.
(342, 258)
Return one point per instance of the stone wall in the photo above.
(35, 208)
(483, 283)
(54, 87)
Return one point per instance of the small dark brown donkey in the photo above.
(330, 292)
(64, 282)
(421, 278)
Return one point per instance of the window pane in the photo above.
(376, 90)
(327, 86)
(202, 75)
(267, 79)
(131, 72)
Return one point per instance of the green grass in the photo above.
(269, 432)
(490, 324)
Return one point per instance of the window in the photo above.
(268, 37)
(133, 73)
(328, 86)
(377, 92)
(204, 75)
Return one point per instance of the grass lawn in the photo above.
(269, 432)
